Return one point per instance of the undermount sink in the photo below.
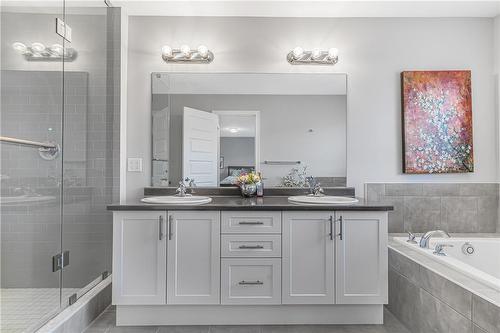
(178, 200)
(322, 200)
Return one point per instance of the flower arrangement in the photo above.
(248, 178)
(295, 178)
(248, 184)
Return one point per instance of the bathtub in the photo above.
(478, 258)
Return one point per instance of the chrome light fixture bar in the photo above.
(201, 55)
(299, 56)
(39, 52)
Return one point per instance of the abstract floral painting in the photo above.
(437, 121)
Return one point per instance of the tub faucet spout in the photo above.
(424, 241)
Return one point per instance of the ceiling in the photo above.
(321, 8)
(276, 8)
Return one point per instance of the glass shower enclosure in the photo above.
(59, 148)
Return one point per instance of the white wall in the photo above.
(373, 53)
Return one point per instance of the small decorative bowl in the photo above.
(248, 190)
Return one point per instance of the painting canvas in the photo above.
(437, 122)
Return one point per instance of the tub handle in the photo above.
(439, 249)
(411, 238)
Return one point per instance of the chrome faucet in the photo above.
(184, 190)
(191, 184)
(314, 187)
(439, 249)
(317, 190)
(424, 241)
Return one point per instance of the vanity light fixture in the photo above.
(314, 57)
(39, 52)
(185, 54)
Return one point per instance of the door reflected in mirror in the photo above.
(214, 127)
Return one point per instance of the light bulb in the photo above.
(297, 52)
(333, 53)
(316, 53)
(166, 51)
(19, 47)
(38, 47)
(203, 51)
(186, 50)
(57, 49)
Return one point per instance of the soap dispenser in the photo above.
(260, 186)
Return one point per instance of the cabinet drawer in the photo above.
(251, 281)
(251, 246)
(251, 222)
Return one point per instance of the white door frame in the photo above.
(257, 129)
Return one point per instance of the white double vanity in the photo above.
(213, 264)
(234, 261)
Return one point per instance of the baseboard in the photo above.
(143, 315)
(77, 317)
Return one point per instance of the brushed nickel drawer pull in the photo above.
(250, 247)
(250, 283)
(331, 227)
(160, 227)
(341, 233)
(170, 227)
(250, 222)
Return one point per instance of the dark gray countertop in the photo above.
(239, 203)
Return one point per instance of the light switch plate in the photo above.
(134, 164)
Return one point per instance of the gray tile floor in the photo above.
(106, 324)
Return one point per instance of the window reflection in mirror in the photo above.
(213, 127)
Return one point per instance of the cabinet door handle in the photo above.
(250, 247)
(331, 227)
(170, 227)
(250, 283)
(250, 222)
(341, 231)
(160, 227)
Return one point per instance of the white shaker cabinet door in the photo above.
(361, 261)
(193, 265)
(308, 258)
(139, 257)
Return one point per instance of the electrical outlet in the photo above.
(134, 164)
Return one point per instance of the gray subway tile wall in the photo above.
(454, 207)
(31, 233)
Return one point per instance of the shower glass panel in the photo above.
(57, 93)
(88, 146)
(31, 181)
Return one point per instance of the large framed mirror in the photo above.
(212, 127)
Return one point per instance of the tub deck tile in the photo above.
(450, 293)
